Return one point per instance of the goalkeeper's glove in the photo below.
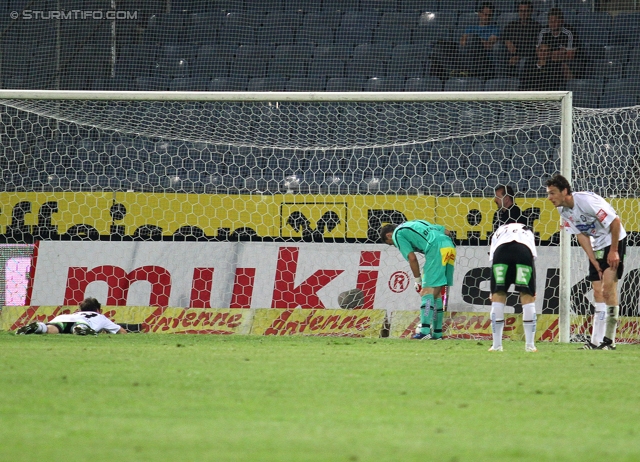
(418, 284)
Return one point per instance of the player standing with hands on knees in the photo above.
(439, 251)
(512, 254)
(601, 235)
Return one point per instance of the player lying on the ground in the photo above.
(512, 255)
(88, 320)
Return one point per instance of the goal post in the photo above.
(440, 154)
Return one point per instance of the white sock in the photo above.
(497, 323)
(529, 323)
(599, 322)
(612, 322)
(42, 328)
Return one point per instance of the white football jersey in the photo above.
(513, 232)
(96, 321)
(591, 215)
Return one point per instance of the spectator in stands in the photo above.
(508, 211)
(88, 320)
(478, 43)
(556, 52)
(520, 39)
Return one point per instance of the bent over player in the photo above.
(512, 254)
(440, 254)
(88, 320)
(603, 238)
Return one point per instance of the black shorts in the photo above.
(513, 264)
(63, 327)
(602, 260)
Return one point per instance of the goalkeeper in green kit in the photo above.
(440, 256)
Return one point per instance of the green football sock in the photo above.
(426, 314)
(439, 318)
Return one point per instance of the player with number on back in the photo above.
(512, 255)
(601, 235)
(88, 320)
(440, 254)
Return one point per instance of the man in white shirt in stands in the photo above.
(601, 235)
(88, 320)
(512, 254)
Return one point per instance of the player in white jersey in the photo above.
(89, 320)
(511, 255)
(601, 235)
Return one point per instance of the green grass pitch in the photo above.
(233, 398)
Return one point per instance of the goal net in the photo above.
(280, 196)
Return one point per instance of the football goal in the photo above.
(319, 168)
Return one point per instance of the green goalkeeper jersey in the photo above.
(416, 236)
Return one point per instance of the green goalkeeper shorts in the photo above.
(440, 261)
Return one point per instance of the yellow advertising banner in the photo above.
(279, 215)
(477, 326)
(331, 322)
(328, 323)
(144, 318)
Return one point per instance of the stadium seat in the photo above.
(368, 61)
(290, 61)
(175, 61)
(305, 84)
(212, 61)
(384, 84)
(167, 28)
(573, 6)
(620, 93)
(340, 5)
(419, 6)
(264, 6)
(462, 6)
(235, 31)
(395, 28)
(319, 28)
(303, 7)
(378, 6)
(345, 84)
(136, 60)
(277, 29)
(626, 28)
(267, 84)
(586, 92)
(434, 26)
(632, 68)
(204, 27)
(152, 84)
(502, 84)
(464, 84)
(355, 28)
(328, 62)
(228, 84)
(605, 69)
(594, 28)
(408, 61)
(189, 84)
(250, 61)
(423, 84)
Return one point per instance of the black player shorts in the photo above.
(601, 256)
(513, 264)
(63, 327)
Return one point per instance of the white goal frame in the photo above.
(564, 97)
